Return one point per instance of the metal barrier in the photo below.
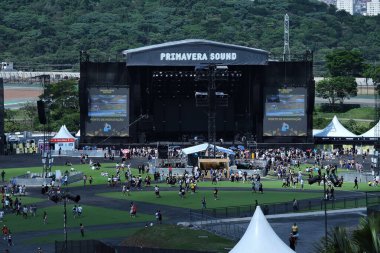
(368, 198)
(225, 229)
(83, 246)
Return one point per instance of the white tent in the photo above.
(371, 133)
(335, 129)
(63, 139)
(77, 134)
(203, 147)
(260, 237)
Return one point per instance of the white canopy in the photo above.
(63, 140)
(77, 134)
(260, 237)
(203, 147)
(63, 135)
(335, 129)
(371, 133)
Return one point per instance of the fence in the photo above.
(125, 249)
(38, 179)
(84, 246)
(215, 226)
(367, 199)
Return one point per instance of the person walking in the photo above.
(81, 229)
(45, 217)
(10, 242)
(216, 193)
(295, 205)
(261, 188)
(356, 183)
(157, 191)
(3, 176)
(204, 202)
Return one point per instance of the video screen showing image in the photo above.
(108, 106)
(285, 112)
(108, 112)
(285, 105)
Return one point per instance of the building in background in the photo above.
(373, 8)
(347, 5)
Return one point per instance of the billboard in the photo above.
(108, 112)
(285, 112)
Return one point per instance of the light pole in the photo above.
(64, 197)
(324, 200)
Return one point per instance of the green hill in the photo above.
(36, 32)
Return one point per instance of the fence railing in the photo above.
(212, 219)
(365, 200)
(215, 226)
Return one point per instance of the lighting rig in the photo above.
(212, 74)
(59, 197)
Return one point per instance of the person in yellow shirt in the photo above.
(295, 230)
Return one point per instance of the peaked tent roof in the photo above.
(192, 52)
(371, 133)
(260, 237)
(63, 135)
(335, 129)
(203, 147)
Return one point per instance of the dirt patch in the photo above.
(21, 93)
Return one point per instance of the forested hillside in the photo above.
(37, 32)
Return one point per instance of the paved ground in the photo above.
(312, 228)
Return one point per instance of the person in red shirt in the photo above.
(170, 171)
(5, 231)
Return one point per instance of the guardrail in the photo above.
(367, 199)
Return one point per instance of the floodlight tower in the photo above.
(286, 54)
(377, 129)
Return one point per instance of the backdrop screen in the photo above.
(285, 112)
(108, 112)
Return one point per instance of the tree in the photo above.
(345, 63)
(364, 239)
(30, 116)
(11, 124)
(63, 100)
(337, 89)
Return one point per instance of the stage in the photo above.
(195, 90)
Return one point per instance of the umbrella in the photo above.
(241, 147)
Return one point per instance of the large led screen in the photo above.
(108, 112)
(285, 112)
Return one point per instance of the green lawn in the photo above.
(356, 113)
(92, 216)
(26, 200)
(175, 237)
(225, 198)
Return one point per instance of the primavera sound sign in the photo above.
(192, 53)
(198, 56)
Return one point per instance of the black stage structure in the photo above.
(2, 136)
(161, 94)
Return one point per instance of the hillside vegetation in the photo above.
(38, 32)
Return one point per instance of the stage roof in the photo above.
(194, 52)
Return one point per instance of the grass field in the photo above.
(356, 113)
(172, 237)
(92, 216)
(225, 198)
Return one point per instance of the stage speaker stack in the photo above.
(41, 112)
(2, 136)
